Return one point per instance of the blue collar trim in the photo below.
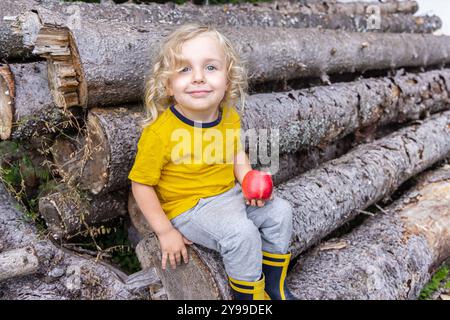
(194, 123)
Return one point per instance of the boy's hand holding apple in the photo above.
(257, 187)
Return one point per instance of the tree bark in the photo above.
(62, 274)
(315, 6)
(12, 46)
(323, 199)
(115, 72)
(305, 119)
(26, 106)
(333, 7)
(390, 256)
(399, 24)
(69, 213)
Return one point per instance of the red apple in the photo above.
(257, 185)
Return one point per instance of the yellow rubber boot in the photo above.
(275, 268)
(246, 290)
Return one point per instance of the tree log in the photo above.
(230, 14)
(323, 199)
(203, 278)
(310, 6)
(390, 256)
(62, 274)
(304, 119)
(361, 178)
(248, 15)
(18, 262)
(115, 72)
(350, 17)
(12, 46)
(69, 213)
(322, 114)
(100, 161)
(26, 106)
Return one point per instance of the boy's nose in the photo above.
(198, 76)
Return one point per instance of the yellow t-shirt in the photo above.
(185, 161)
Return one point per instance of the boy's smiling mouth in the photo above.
(199, 93)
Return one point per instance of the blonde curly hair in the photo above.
(168, 59)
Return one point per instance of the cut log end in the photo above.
(97, 154)
(6, 102)
(193, 275)
(430, 217)
(64, 69)
(66, 152)
(70, 213)
(84, 159)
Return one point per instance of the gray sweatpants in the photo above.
(239, 232)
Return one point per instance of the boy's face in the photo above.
(202, 82)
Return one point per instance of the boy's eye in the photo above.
(209, 68)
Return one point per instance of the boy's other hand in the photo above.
(173, 247)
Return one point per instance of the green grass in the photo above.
(23, 180)
(123, 254)
(435, 283)
(112, 245)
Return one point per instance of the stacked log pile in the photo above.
(362, 111)
(36, 268)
